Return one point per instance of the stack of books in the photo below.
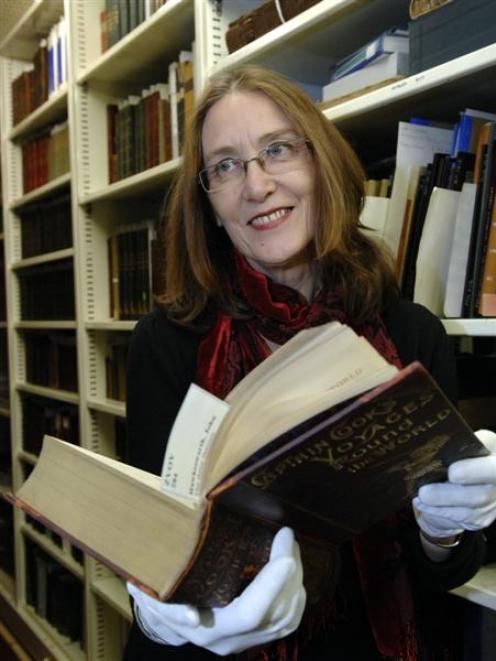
(377, 62)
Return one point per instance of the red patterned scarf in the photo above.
(234, 347)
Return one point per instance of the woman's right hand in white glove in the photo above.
(271, 607)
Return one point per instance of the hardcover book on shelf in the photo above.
(389, 66)
(468, 128)
(324, 416)
(487, 294)
(394, 40)
(415, 174)
(485, 178)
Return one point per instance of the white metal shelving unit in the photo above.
(303, 48)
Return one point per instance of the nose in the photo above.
(257, 184)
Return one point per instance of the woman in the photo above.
(263, 239)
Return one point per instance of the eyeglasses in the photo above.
(277, 158)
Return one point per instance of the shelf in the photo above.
(306, 46)
(113, 591)
(111, 325)
(438, 93)
(52, 393)
(55, 551)
(55, 108)
(472, 327)
(23, 40)
(7, 585)
(4, 489)
(153, 179)
(43, 191)
(56, 324)
(43, 259)
(481, 589)
(27, 457)
(112, 406)
(142, 55)
(66, 648)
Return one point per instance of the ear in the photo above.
(218, 221)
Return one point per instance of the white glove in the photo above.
(467, 501)
(270, 608)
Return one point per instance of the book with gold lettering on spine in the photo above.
(324, 436)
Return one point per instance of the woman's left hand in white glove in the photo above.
(467, 501)
(270, 608)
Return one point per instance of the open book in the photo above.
(324, 436)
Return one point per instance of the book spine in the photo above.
(481, 221)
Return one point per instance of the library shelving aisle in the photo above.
(75, 299)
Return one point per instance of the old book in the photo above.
(289, 445)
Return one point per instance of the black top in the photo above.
(161, 366)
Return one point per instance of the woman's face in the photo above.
(268, 217)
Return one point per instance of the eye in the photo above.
(225, 167)
(279, 149)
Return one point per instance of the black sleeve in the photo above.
(161, 365)
(419, 335)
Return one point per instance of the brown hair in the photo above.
(198, 255)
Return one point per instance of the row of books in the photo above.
(135, 267)
(42, 416)
(115, 367)
(147, 129)
(5, 453)
(46, 226)
(121, 16)
(45, 157)
(47, 291)
(6, 537)
(51, 359)
(441, 219)
(3, 300)
(46, 74)
(4, 369)
(55, 594)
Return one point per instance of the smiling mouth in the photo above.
(270, 218)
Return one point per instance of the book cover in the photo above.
(379, 445)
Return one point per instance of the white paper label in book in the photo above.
(194, 429)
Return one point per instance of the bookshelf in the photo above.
(301, 48)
